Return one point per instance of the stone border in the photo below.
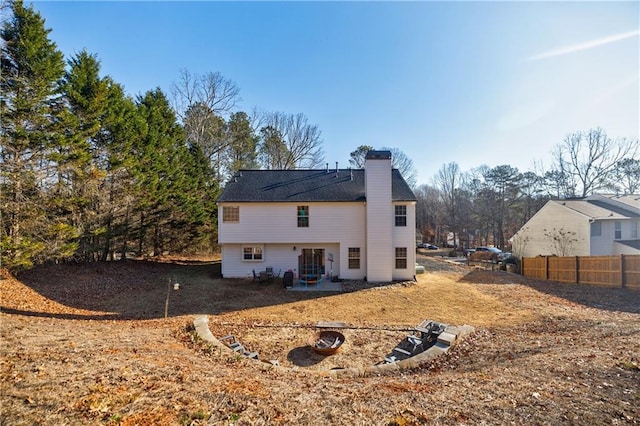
(446, 340)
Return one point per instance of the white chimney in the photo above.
(379, 213)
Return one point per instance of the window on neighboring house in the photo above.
(354, 257)
(618, 231)
(596, 229)
(401, 258)
(634, 229)
(401, 215)
(303, 216)
(252, 253)
(230, 214)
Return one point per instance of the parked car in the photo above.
(503, 255)
(469, 251)
(432, 247)
(486, 254)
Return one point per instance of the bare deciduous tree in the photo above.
(590, 158)
(399, 160)
(404, 164)
(561, 241)
(302, 141)
(213, 90)
(448, 181)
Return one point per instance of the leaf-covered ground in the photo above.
(90, 344)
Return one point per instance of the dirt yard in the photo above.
(90, 344)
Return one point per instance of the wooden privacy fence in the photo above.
(621, 271)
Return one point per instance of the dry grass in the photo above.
(89, 344)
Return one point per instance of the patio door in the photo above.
(311, 261)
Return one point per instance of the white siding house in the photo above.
(352, 224)
(598, 225)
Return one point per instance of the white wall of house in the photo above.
(404, 236)
(530, 240)
(605, 244)
(281, 257)
(332, 226)
(379, 220)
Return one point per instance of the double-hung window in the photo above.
(634, 229)
(230, 214)
(401, 258)
(252, 253)
(354, 257)
(401, 215)
(618, 231)
(303, 216)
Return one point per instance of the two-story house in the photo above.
(598, 225)
(352, 224)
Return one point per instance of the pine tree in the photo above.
(78, 154)
(157, 168)
(31, 67)
(243, 143)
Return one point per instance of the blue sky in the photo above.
(471, 82)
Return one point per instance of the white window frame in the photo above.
(634, 229)
(257, 253)
(354, 254)
(400, 212)
(299, 216)
(617, 230)
(399, 257)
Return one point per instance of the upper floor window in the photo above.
(618, 231)
(230, 214)
(401, 258)
(634, 229)
(354, 257)
(252, 253)
(596, 229)
(303, 216)
(401, 215)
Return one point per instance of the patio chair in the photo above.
(256, 277)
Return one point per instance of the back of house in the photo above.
(327, 223)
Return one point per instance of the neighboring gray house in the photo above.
(335, 222)
(597, 225)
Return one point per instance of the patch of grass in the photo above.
(195, 418)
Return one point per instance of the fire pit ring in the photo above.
(326, 342)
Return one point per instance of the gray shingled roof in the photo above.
(306, 185)
(631, 243)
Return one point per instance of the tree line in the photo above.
(89, 173)
(486, 206)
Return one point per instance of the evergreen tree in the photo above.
(78, 153)
(273, 151)
(157, 168)
(242, 148)
(31, 67)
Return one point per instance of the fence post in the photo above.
(546, 268)
(623, 281)
(577, 266)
